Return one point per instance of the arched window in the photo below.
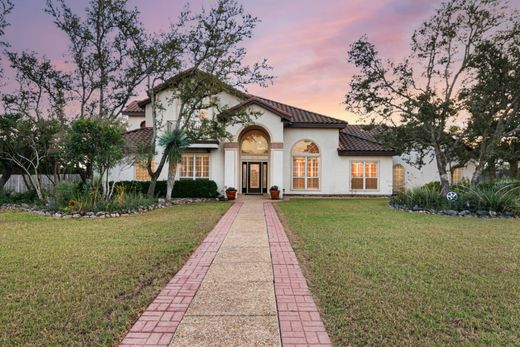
(456, 175)
(398, 178)
(255, 142)
(306, 166)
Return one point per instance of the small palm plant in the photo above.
(174, 143)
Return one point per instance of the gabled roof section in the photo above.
(358, 140)
(292, 116)
(133, 109)
(300, 118)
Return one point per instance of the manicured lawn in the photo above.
(385, 277)
(84, 282)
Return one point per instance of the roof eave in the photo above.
(347, 153)
(314, 125)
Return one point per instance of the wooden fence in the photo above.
(17, 184)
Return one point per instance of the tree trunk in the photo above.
(513, 169)
(151, 187)
(441, 167)
(475, 179)
(492, 170)
(6, 174)
(172, 171)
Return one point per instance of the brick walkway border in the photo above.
(157, 324)
(300, 322)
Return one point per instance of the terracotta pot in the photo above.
(275, 194)
(231, 194)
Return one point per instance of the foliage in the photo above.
(95, 146)
(195, 189)
(419, 107)
(30, 145)
(499, 196)
(142, 187)
(29, 197)
(85, 282)
(211, 53)
(494, 103)
(103, 49)
(174, 142)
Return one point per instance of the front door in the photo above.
(254, 177)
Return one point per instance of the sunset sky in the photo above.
(304, 40)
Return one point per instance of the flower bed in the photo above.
(161, 203)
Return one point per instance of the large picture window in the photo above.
(141, 171)
(195, 166)
(364, 175)
(305, 166)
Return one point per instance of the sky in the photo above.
(306, 41)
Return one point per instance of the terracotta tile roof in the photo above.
(298, 117)
(293, 116)
(133, 109)
(137, 139)
(358, 140)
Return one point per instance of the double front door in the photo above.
(254, 177)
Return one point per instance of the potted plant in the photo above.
(275, 193)
(231, 193)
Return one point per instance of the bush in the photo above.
(499, 196)
(195, 189)
(29, 197)
(142, 187)
(63, 193)
(91, 199)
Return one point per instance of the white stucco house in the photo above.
(302, 152)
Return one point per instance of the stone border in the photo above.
(158, 323)
(102, 214)
(455, 213)
(299, 318)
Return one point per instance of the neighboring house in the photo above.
(302, 152)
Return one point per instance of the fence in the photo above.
(17, 184)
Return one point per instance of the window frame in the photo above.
(140, 165)
(305, 177)
(364, 175)
(401, 187)
(194, 176)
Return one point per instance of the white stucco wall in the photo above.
(415, 177)
(133, 122)
(334, 169)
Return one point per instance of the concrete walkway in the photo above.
(235, 305)
(242, 287)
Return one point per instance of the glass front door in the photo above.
(254, 177)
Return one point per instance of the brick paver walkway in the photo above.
(242, 287)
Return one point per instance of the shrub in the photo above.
(91, 199)
(426, 196)
(142, 187)
(195, 189)
(29, 197)
(63, 193)
(499, 196)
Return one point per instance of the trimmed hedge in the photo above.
(195, 189)
(142, 187)
(182, 189)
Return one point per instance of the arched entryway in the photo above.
(254, 160)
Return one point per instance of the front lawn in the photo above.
(84, 282)
(387, 277)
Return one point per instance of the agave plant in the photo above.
(174, 143)
(497, 197)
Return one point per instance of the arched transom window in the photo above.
(306, 166)
(398, 178)
(255, 142)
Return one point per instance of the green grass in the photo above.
(387, 277)
(84, 282)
